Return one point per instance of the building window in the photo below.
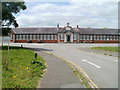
(17, 38)
(34, 37)
(111, 37)
(81, 37)
(107, 37)
(40, 37)
(45, 37)
(27, 37)
(104, 37)
(55, 37)
(30, 37)
(101, 37)
(51, 37)
(94, 37)
(75, 37)
(90, 37)
(48, 37)
(84, 37)
(20, 37)
(87, 37)
(116, 37)
(97, 37)
(23, 37)
(37, 37)
(61, 36)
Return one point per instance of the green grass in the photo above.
(112, 49)
(18, 71)
(83, 80)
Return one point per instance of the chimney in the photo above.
(58, 26)
(77, 27)
(68, 24)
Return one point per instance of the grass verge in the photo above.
(83, 80)
(112, 49)
(18, 71)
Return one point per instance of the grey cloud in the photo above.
(91, 14)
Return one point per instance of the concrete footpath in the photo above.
(59, 74)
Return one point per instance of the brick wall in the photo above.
(61, 40)
(21, 41)
(56, 41)
(49, 41)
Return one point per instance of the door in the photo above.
(68, 38)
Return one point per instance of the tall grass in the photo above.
(18, 71)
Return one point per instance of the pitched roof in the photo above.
(97, 31)
(34, 30)
(54, 30)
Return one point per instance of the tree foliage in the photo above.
(5, 31)
(8, 11)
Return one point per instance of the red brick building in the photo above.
(65, 34)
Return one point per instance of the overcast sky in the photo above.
(85, 14)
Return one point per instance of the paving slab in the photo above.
(59, 74)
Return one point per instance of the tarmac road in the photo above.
(102, 69)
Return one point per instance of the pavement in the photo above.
(59, 74)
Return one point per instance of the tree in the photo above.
(5, 31)
(8, 11)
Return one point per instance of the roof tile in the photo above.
(55, 30)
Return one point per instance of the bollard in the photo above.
(21, 46)
(35, 55)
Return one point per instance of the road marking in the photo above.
(91, 63)
(91, 83)
(116, 60)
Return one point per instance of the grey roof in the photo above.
(97, 31)
(34, 30)
(55, 31)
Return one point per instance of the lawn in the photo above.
(18, 71)
(112, 49)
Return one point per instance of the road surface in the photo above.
(102, 69)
